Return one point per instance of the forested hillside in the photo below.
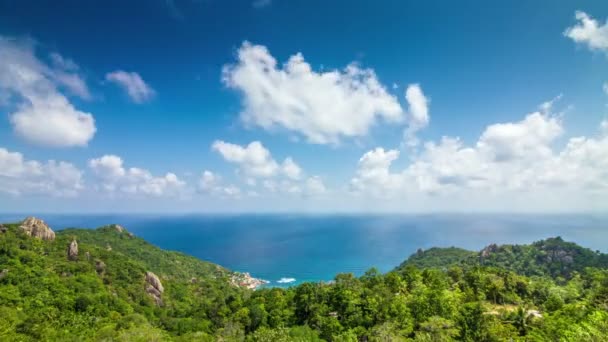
(108, 285)
(552, 257)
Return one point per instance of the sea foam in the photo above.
(286, 280)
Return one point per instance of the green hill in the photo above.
(45, 295)
(552, 257)
(107, 285)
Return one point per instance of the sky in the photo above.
(209, 106)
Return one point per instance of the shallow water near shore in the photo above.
(291, 249)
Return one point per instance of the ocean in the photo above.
(291, 249)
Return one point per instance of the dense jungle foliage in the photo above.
(548, 291)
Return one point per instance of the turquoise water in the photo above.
(315, 248)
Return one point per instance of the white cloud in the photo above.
(324, 107)
(374, 175)
(133, 84)
(211, 183)
(508, 160)
(589, 31)
(529, 138)
(291, 169)
(117, 179)
(19, 176)
(63, 63)
(254, 160)
(418, 113)
(43, 116)
(315, 186)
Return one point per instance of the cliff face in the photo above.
(37, 228)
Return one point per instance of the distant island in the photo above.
(107, 284)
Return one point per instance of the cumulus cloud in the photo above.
(211, 183)
(324, 106)
(19, 176)
(315, 186)
(526, 139)
(508, 158)
(43, 115)
(133, 84)
(254, 160)
(589, 31)
(418, 113)
(374, 175)
(291, 169)
(115, 178)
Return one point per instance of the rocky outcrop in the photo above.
(118, 228)
(154, 287)
(36, 228)
(3, 229)
(559, 256)
(3, 274)
(108, 247)
(489, 250)
(100, 267)
(73, 250)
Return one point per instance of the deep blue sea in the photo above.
(315, 248)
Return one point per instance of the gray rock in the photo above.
(118, 228)
(488, 250)
(100, 267)
(4, 273)
(3, 229)
(87, 255)
(36, 228)
(154, 287)
(73, 250)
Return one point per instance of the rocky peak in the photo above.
(73, 250)
(36, 228)
(100, 267)
(489, 250)
(154, 287)
(118, 228)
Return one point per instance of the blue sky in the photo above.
(184, 110)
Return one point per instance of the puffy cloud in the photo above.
(291, 169)
(322, 106)
(374, 175)
(211, 183)
(133, 84)
(19, 176)
(43, 115)
(117, 179)
(418, 112)
(509, 159)
(529, 138)
(588, 31)
(254, 160)
(315, 186)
